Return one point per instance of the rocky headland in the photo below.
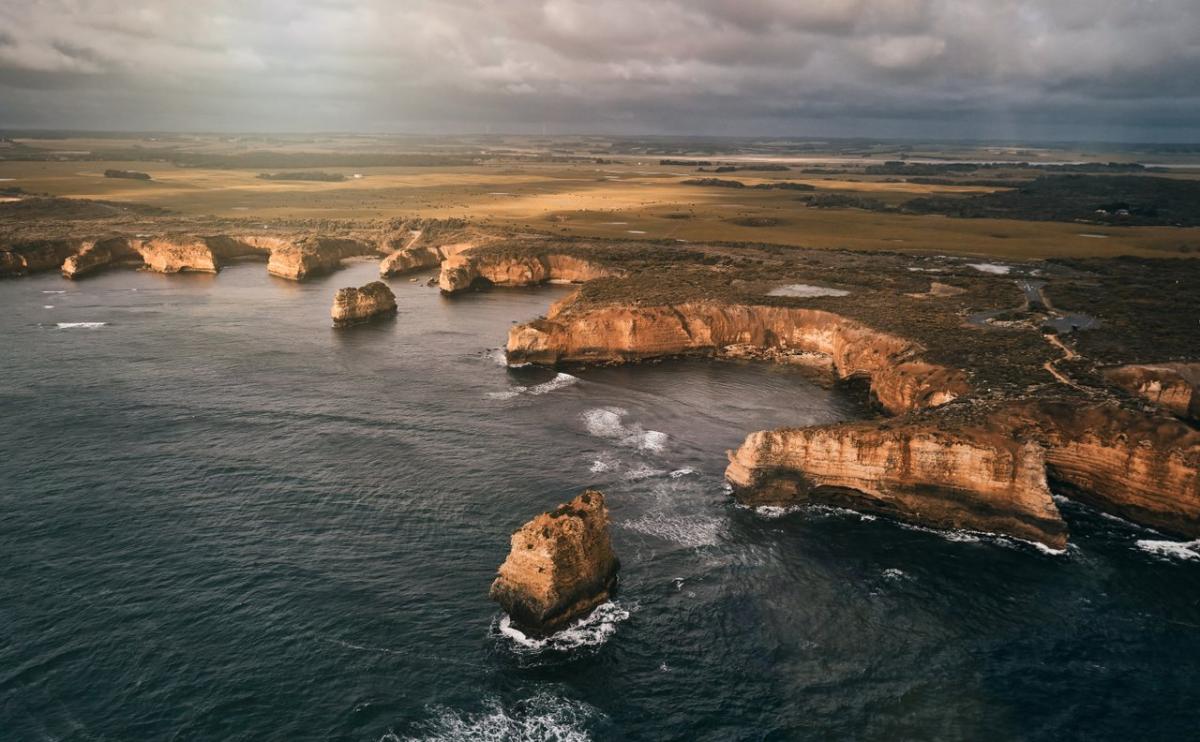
(560, 567)
(352, 306)
(979, 420)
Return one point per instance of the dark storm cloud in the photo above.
(988, 68)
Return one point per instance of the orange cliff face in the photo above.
(421, 257)
(991, 477)
(900, 381)
(1171, 386)
(1144, 468)
(287, 257)
(974, 479)
(560, 567)
(460, 272)
(310, 256)
(95, 255)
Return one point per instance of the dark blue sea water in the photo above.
(221, 519)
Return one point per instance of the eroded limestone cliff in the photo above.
(461, 272)
(560, 567)
(312, 255)
(34, 256)
(989, 476)
(974, 479)
(94, 255)
(1172, 386)
(354, 305)
(899, 379)
(1145, 468)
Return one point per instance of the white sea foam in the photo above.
(591, 631)
(498, 356)
(687, 470)
(686, 530)
(80, 325)
(773, 511)
(1185, 550)
(974, 537)
(894, 574)
(804, 291)
(558, 382)
(636, 231)
(55, 292)
(606, 422)
(993, 268)
(47, 306)
(1093, 236)
(544, 718)
(604, 464)
(642, 471)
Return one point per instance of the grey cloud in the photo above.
(819, 67)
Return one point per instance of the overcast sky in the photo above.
(1021, 69)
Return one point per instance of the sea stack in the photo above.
(352, 306)
(561, 566)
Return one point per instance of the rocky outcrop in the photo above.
(899, 380)
(1144, 468)
(461, 272)
(352, 306)
(1171, 386)
(422, 257)
(178, 254)
(95, 255)
(312, 256)
(33, 256)
(974, 479)
(560, 567)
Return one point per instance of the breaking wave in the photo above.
(558, 382)
(80, 325)
(606, 422)
(686, 530)
(544, 718)
(1183, 550)
(589, 631)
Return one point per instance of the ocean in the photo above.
(223, 519)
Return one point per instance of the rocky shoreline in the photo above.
(978, 419)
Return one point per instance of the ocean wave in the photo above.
(544, 718)
(606, 422)
(61, 291)
(686, 530)
(687, 470)
(642, 471)
(776, 511)
(604, 464)
(80, 325)
(591, 631)
(974, 537)
(558, 382)
(1182, 550)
